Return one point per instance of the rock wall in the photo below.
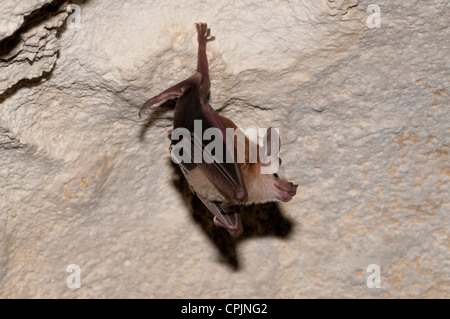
(361, 100)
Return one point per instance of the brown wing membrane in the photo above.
(230, 173)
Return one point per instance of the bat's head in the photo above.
(261, 178)
(267, 187)
(274, 187)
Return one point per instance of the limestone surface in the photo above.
(32, 50)
(13, 13)
(358, 89)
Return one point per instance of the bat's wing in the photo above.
(225, 175)
(173, 92)
(225, 215)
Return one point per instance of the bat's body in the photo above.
(261, 188)
(220, 186)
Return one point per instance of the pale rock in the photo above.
(364, 121)
(32, 51)
(13, 12)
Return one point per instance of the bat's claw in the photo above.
(227, 216)
(204, 33)
(235, 231)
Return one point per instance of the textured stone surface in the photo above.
(364, 120)
(32, 50)
(12, 14)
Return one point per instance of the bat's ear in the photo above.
(271, 146)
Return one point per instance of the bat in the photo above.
(221, 185)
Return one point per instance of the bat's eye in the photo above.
(275, 175)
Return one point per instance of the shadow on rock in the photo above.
(258, 220)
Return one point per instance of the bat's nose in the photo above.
(285, 190)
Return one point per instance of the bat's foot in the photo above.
(204, 33)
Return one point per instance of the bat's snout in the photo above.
(285, 190)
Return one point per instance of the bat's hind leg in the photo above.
(173, 92)
(203, 36)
